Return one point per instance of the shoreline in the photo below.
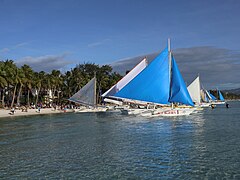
(6, 113)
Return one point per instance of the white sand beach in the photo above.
(18, 112)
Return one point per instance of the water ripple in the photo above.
(110, 146)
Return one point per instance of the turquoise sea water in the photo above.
(113, 146)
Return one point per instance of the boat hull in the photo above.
(218, 102)
(134, 111)
(173, 112)
(99, 109)
(159, 112)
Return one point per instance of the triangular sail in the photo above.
(195, 91)
(178, 89)
(126, 79)
(220, 96)
(86, 95)
(212, 97)
(151, 84)
(208, 95)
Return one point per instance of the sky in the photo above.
(58, 34)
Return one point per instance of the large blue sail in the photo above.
(178, 89)
(220, 96)
(152, 84)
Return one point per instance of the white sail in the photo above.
(86, 95)
(126, 79)
(208, 95)
(194, 91)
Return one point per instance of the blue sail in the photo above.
(212, 96)
(206, 98)
(220, 96)
(178, 89)
(152, 84)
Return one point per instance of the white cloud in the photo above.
(21, 44)
(45, 63)
(98, 43)
(4, 50)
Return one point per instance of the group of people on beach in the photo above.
(40, 106)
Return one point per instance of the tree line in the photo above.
(226, 95)
(24, 86)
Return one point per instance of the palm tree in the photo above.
(38, 78)
(3, 82)
(16, 80)
(21, 79)
(28, 74)
(57, 82)
(11, 72)
(47, 86)
(77, 80)
(66, 88)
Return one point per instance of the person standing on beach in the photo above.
(12, 111)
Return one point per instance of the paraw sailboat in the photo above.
(220, 99)
(87, 97)
(197, 94)
(160, 83)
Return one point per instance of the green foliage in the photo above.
(25, 81)
(3, 75)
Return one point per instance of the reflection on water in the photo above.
(112, 146)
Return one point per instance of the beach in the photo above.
(18, 112)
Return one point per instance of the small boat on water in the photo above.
(197, 94)
(220, 99)
(213, 100)
(87, 98)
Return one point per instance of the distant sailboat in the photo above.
(213, 100)
(197, 94)
(87, 97)
(159, 83)
(221, 98)
(195, 91)
(212, 97)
